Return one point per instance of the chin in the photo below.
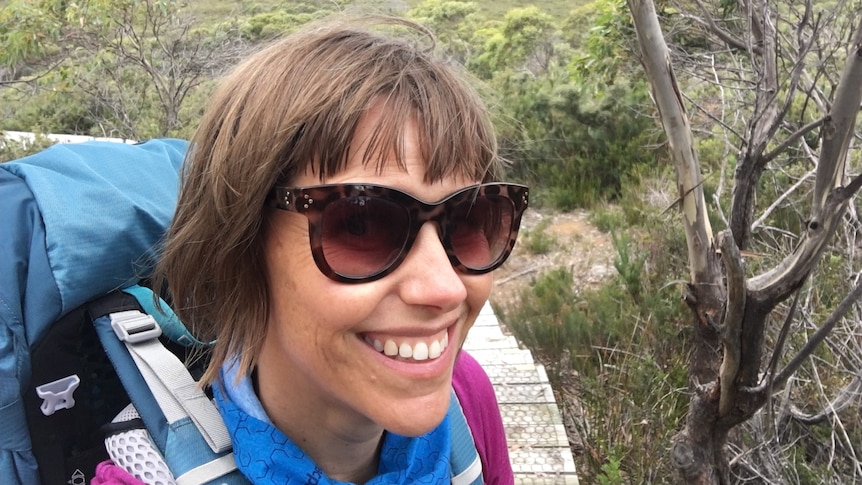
(419, 416)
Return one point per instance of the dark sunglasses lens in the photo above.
(363, 235)
(480, 231)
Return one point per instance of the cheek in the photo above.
(303, 302)
(290, 268)
(478, 288)
(294, 282)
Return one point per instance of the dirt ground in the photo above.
(577, 245)
(589, 253)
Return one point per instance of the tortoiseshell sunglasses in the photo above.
(361, 232)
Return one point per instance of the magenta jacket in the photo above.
(479, 402)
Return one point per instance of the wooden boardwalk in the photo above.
(538, 446)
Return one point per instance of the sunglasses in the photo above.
(361, 232)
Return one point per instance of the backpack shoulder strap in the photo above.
(167, 378)
(464, 459)
(170, 323)
(184, 424)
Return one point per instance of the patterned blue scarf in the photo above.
(267, 456)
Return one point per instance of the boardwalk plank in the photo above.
(538, 446)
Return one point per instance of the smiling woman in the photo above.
(336, 230)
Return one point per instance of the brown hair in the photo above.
(291, 107)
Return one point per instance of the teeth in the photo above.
(419, 352)
(405, 351)
(434, 350)
(390, 348)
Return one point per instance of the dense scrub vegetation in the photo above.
(138, 70)
(576, 121)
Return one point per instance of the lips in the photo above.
(416, 349)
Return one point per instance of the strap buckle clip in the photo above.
(133, 326)
(58, 394)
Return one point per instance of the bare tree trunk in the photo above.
(731, 311)
(697, 448)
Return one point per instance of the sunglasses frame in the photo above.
(311, 202)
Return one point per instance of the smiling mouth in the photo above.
(420, 350)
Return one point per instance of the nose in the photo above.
(427, 275)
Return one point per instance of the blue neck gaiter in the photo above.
(267, 456)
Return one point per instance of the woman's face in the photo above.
(319, 364)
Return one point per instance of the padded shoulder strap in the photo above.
(466, 465)
(197, 445)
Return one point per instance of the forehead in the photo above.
(410, 179)
(386, 148)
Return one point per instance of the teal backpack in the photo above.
(90, 369)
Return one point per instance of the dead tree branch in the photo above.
(731, 329)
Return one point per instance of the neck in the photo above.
(345, 445)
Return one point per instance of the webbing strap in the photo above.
(169, 322)
(470, 475)
(217, 468)
(172, 386)
(466, 464)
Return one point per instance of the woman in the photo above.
(305, 243)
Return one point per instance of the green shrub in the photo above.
(625, 340)
(537, 240)
(611, 473)
(576, 144)
(628, 265)
(51, 104)
(630, 361)
(607, 218)
(13, 150)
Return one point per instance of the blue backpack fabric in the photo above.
(78, 222)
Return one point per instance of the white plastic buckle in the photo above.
(58, 394)
(133, 326)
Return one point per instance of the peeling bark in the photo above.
(730, 312)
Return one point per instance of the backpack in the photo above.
(87, 360)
